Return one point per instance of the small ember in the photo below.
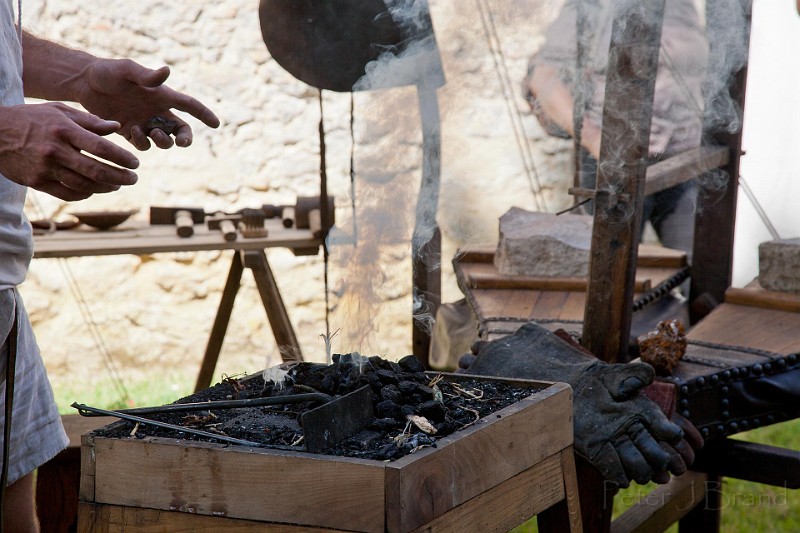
(663, 347)
(413, 409)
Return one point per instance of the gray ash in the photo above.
(398, 389)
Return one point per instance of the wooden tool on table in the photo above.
(183, 218)
(305, 214)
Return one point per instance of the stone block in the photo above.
(779, 265)
(543, 244)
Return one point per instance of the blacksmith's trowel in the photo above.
(337, 419)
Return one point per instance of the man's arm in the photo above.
(556, 101)
(52, 71)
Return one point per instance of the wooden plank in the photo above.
(508, 504)
(664, 506)
(255, 484)
(750, 461)
(88, 469)
(751, 327)
(657, 256)
(139, 238)
(488, 280)
(423, 486)
(780, 301)
(97, 518)
(684, 167)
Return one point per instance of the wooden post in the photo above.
(715, 219)
(627, 114)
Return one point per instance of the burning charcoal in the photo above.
(412, 364)
(407, 387)
(387, 376)
(388, 409)
(664, 347)
(391, 393)
(432, 410)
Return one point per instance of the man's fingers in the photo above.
(82, 184)
(161, 139)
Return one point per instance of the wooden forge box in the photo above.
(493, 475)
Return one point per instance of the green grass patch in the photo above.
(160, 389)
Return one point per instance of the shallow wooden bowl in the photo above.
(104, 219)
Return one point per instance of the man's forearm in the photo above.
(51, 71)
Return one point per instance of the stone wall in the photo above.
(155, 311)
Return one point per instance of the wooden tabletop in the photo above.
(138, 238)
(501, 303)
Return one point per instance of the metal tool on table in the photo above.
(184, 219)
(336, 419)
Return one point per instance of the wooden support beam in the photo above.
(664, 506)
(715, 219)
(684, 167)
(627, 114)
(750, 461)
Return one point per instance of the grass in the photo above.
(104, 394)
(745, 506)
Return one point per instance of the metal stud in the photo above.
(705, 433)
(734, 427)
(726, 375)
(701, 381)
(725, 403)
(714, 379)
(758, 369)
(685, 413)
(726, 414)
(792, 359)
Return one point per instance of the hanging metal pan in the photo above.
(327, 44)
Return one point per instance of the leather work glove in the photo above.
(624, 434)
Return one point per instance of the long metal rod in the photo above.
(226, 404)
(84, 409)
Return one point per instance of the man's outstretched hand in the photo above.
(60, 150)
(133, 95)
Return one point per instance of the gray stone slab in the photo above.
(779, 265)
(544, 244)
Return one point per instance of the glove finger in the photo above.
(691, 433)
(663, 429)
(685, 450)
(465, 361)
(608, 462)
(662, 478)
(477, 346)
(653, 453)
(625, 381)
(635, 465)
(677, 465)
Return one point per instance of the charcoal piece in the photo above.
(407, 387)
(391, 393)
(387, 376)
(407, 410)
(432, 410)
(387, 409)
(411, 363)
(385, 424)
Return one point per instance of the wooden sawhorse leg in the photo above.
(256, 261)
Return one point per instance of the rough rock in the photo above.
(779, 265)
(543, 244)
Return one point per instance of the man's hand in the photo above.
(59, 150)
(133, 95)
